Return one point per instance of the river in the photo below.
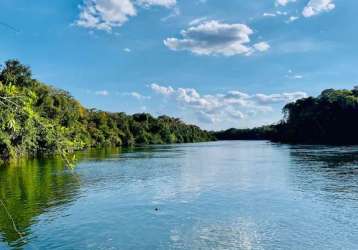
(217, 195)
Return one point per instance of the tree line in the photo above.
(38, 119)
(330, 118)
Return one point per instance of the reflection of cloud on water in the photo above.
(241, 234)
(222, 167)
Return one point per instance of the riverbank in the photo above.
(37, 119)
(330, 118)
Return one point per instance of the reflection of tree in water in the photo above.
(328, 169)
(30, 189)
(140, 152)
(99, 154)
(328, 155)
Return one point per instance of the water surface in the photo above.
(219, 195)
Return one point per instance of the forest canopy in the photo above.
(38, 119)
(330, 118)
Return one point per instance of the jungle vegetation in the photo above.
(259, 133)
(38, 119)
(330, 118)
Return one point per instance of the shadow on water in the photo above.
(28, 189)
(332, 170)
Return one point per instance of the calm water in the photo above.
(221, 195)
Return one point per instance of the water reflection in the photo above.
(327, 170)
(328, 156)
(221, 195)
(29, 189)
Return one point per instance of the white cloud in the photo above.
(266, 14)
(292, 19)
(166, 91)
(281, 13)
(214, 38)
(275, 14)
(283, 2)
(135, 95)
(105, 14)
(139, 96)
(108, 14)
(230, 106)
(262, 46)
(127, 50)
(196, 21)
(315, 7)
(102, 93)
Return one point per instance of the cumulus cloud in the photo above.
(105, 14)
(315, 7)
(214, 38)
(108, 14)
(232, 105)
(166, 91)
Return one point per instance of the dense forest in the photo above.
(259, 133)
(330, 118)
(37, 119)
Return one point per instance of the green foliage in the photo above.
(37, 119)
(330, 118)
(260, 133)
(17, 74)
(34, 189)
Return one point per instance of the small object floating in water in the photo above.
(156, 209)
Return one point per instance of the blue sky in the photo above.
(215, 63)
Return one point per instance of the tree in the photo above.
(37, 119)
(16, 73)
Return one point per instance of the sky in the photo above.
(215, 63)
